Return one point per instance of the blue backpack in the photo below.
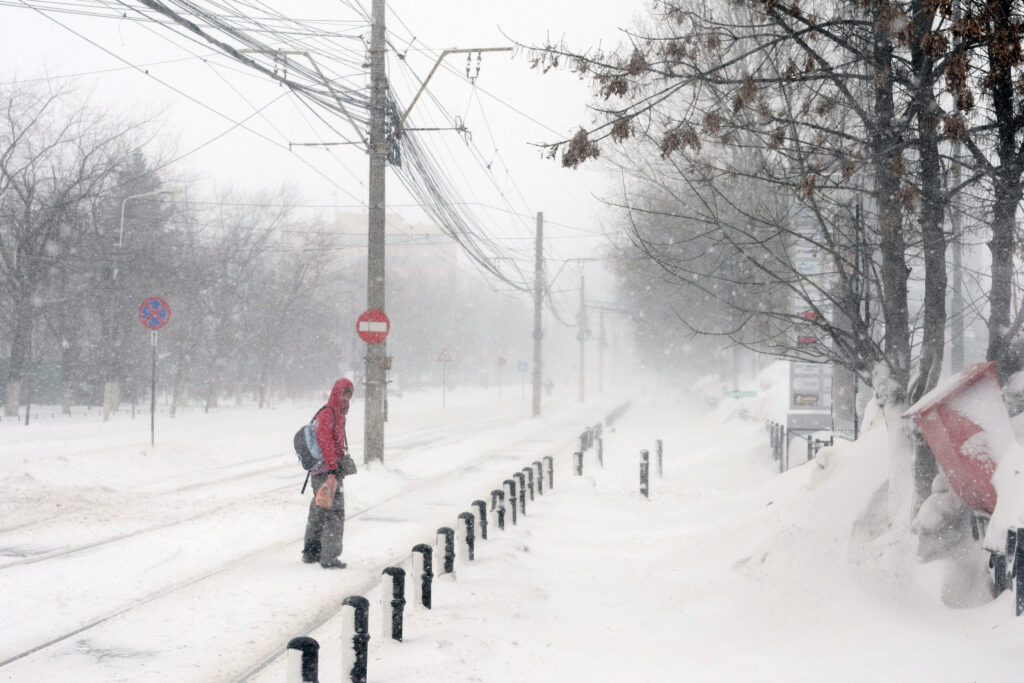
(307, 450)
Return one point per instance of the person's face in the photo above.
(346, 393)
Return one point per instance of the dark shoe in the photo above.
(333, 564)
(309, 558)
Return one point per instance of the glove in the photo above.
(332, 473)
(325, 496)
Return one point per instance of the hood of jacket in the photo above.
(337, 400)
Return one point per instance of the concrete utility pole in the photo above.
(601, 343)
(376, 354)
(581, 319)
(538, 309)
(377, 361)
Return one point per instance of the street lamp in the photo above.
(166, 190)
(111, 389)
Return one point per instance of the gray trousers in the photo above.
(325, 528)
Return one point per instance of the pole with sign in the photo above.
(154, 314)
(444, 358)
(373, 327)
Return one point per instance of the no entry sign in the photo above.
(373, 326)
(154, 313)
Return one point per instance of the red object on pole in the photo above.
(948, 418)
(373, 326)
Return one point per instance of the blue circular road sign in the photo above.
(154, 312)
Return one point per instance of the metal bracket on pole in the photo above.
(401, 122)
(326, 82)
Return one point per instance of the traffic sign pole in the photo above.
(444, 358)
(152, 393)
(154, 313)
(373, 326)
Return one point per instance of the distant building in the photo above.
(421, 251)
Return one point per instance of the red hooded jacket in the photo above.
(330, 425)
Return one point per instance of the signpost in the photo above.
(154, 314)
(737, 393)
(444, 358)
(810, 379)
(373, 326)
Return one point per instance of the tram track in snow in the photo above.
(249, 556)
(418, 437)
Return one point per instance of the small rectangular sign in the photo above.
(805, 384)
(373, 326)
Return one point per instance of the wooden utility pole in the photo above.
(538, 309)
(376, 354)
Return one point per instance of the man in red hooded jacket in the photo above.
(325, 527)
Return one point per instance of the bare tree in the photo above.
(836, 111)
(56, 155)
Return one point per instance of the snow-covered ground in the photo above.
(124, 562)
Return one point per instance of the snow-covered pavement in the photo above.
(727, 572)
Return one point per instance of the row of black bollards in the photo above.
(590, 438)
(303, 652)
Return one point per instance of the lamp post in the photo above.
(111, 388)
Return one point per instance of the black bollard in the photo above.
(498, 505)
(355, 637)
(397, 606)
(481, 515)
(600, 451)
(540, 476)
(423, 562)
(578, 460)
(449, 548)
(304, 658)
(657, 452)
(521, 478)
(644, 467)
(467, 533)
(529, 480)
(510, 498)
(551, 471)
(783, 449)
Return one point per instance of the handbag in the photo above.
(325, 495)
(347, 465)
